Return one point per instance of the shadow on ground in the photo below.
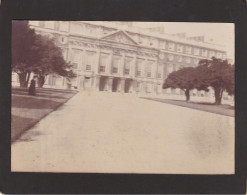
(28, 110)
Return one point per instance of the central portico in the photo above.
(114, 84)
(115, 63)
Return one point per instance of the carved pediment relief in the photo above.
(120, 37)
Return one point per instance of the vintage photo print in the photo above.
(123, 97)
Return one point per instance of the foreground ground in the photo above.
(121, 133)
(27, 110)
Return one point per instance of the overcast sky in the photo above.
(219, 33)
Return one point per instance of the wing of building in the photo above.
(112, 57)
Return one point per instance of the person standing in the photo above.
(31, 90)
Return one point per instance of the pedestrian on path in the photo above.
(32, 90)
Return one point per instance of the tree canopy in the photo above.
(215, 73)
(24, 54)
(36, 53)
(185, 79)
(51, 60)
(218, 74)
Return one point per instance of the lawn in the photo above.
(27, 110)
(223, 109)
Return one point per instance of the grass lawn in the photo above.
(27, 110)
(204, 106)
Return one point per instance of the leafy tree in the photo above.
(184, 79)
(37, 54)
(24, 53)
(219, 75)
(51, 61)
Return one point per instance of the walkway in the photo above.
(121, 133)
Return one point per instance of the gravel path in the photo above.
(121, 133)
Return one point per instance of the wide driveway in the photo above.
(121, 133)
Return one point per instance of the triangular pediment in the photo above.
(120, 37)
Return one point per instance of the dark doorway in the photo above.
(127, 85)
(102, 83)
(115, 84)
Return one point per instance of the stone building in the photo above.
(116, 57)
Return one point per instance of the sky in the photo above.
(217, 33)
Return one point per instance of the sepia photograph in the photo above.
(123, 97)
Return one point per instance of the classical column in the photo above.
(155, 88)
(132, 84)
(118, 85)
(133, 68)
(96, 65)
(121, 67)
(143, 87)
(109, 71)
(96, 80)
(122, 84)
(82, 80)
(109, 83)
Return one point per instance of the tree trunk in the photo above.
(22, 79)
(28, 77)
(41, 81)
(187, 94)
(218, 95)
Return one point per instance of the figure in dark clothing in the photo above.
(31, 90)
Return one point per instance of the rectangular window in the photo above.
(188, 60)
(204, 53)
(75, 65)
(211, 54)
(115, 70)
(88, 67)
(138, 73)
(188, 50)
(180, 58)
(179, 48)
(102, 68)
(171, 46)
(158, 75)
(219, 55)
(196, 51)
(162, 44)
(148, 74)
(126, 71)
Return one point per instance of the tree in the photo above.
(184, 79)
(219, 75)
(51, 61)
(23, 51)
(37, 54)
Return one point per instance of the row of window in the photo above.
(127, 72)
(204, 53)
(182, 58)
(180, 48)
(171, 46)
(114, 70)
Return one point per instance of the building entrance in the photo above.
(102, 83)
(128, 83)
(115, 84)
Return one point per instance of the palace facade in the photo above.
(108, 56)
